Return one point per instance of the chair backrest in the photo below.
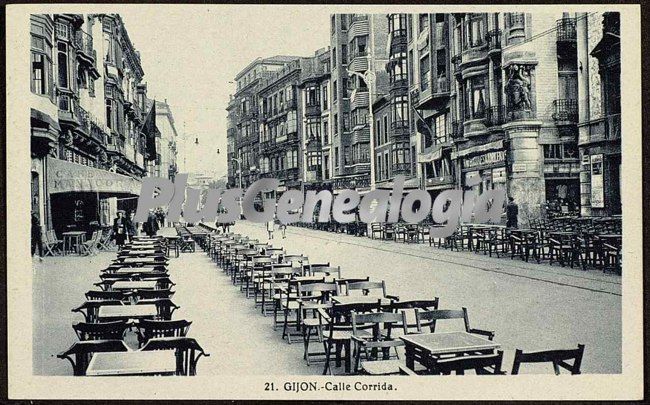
(381, 324)
(101, 331)
(326, 270)
(83, 351)
(366, 286)
(154, 294)
(188, 352)
(298, 259)
(284, 271)
(481, 363)
(429, 318)
(93, 295)
(557, 357)
(153, 329)
(326, 290)
(90, 309)
(412, 307)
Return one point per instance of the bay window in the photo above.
(475, 30)
(400, 111)
(397, 24)
(425, 72)
(398, 69)
(62, 63)
(440, 128)
(312, 128)
(475, 97)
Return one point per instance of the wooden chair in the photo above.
(381, 325)
(106, 285)
(337, 331)
(101, 331)
(154, 294)
(325, 271)
(565, 249)
(90, 309)
(482, 364)
(280, 276)
(557, 357)
(366, 287)
(51, 244)
(106, 240)
(376, 229)
(311, 298)
(188, 352)
(164, 307)
(431, 317)
(413, 306)
(89, 247)
(149, 329)
(83, 351)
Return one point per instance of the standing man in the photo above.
(120, 229)
(37, 241)
(512, 212)
(131, 226)
(151, 226)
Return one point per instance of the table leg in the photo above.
(348, 356)
(410, 358)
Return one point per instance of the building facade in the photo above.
(89, 142)
(167, 145)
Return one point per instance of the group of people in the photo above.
(127, 228)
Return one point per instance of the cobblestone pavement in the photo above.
(529, 306)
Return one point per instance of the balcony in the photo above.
(312, 110)
(495, 116)
(565, 111)
(358, 62)
(605, 129)
(116, 146)
(249, 115)
(440, 181)
(415, 97)
(398, 41)
(399, 129)
(475, 54)
(84, 44)
(493, 39)
(455, 60)
(566, 30)
(359, 26)
(359, 99)
(351, 183)
(401, 168)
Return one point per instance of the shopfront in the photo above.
(490, 166)
(85, 198)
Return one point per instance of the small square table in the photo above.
(117, 312)
(359, 299)
(133, 363)
(426, 347)
(135, 285)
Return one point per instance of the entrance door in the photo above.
(35, 194)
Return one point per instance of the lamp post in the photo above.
(369, 77)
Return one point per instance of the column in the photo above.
(582, 32)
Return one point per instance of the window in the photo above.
(400, 110)
(345, 85)
(425, 72)
(326, 133)
(312, 97)
(334, 90)
(109, 113)
(386, 128)
(62, 62)
(476, 30)
(379, 172)
(292, 159)
(397, 25)
(325, 101)
(440, 123)
(108, 48)
(553, 151)
(410, 64)
(346, 121)
(336, 124)
(398, 69)
(336, 157)
(344, 54)
(344, 22)
(42, 80)
(346, 155)
(333, 24)
(378, 132)
(424, 22)
(312, 129)
(475, 98)
(334, 57)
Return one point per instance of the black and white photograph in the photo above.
(327, 202)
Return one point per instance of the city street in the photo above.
(529, 306)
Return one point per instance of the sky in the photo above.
(191, 54)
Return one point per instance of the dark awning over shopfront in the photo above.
(65, 177)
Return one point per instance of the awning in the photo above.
(434, 154)
(65, 177)
(496, 145)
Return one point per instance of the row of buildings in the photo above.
(530, 102)
(94, 131)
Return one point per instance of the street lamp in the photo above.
(369, 77)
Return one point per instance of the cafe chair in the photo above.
(429, 318)
(411, 307)
(376, 229)
(482, 364)
(149, 329)
(366, 287)
(376, 347)
(90, 309)
(80, 353)
(341, 283)
(557, 357)
(153, 294)
(104, 295)
(188, 352)
(311, 298)
(165, 308)
(51, 245)
(105, 285)
(101, 331)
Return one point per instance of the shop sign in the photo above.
(597, 189)
(518, 167)
(65, 177)
(491, 158)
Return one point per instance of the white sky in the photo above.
(190, 54)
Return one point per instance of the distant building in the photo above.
(166, 164)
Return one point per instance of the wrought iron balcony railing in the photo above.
(565, 110)
(495, 116)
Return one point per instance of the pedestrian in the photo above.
(269, 228)
(37, 239)
(151, 226)
(131, 226)
(120, 229)
(512, 211)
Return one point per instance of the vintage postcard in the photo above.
(324, 202)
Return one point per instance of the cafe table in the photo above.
(126, 312)
(360, 299)
(133, 363)
(140, 270)
(72, 240)
(425, 348)
(141, 260)
(135, 285)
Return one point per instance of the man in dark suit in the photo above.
(120, 229)
(512, 212)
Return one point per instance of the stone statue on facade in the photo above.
(518, 89)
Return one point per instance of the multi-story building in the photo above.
(315, 121)
(280, 132)
(88, 139)
(358, 43)
(599, 112)
(166, 166)
(243, 120)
